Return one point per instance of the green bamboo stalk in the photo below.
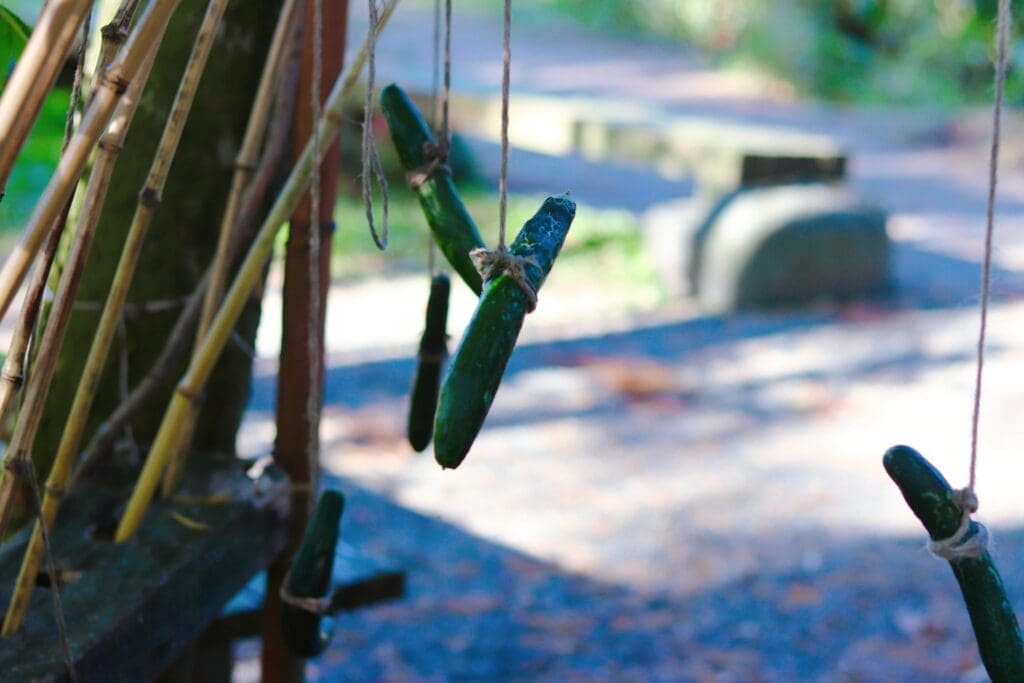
(34, 75)
(995, 625)
(245, 163)
(245, 281)
(97, 115)
(148, 34)
(149, 199)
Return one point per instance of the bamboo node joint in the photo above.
(15, 378)
(117, 82)
(114, 33)
(149, 197)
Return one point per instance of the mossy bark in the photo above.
(182, 236)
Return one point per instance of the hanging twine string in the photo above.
(439, 110)
(372, 167)
(493, 262)
(963, 544)
(437, 154)
(51, 570)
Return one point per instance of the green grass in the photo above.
(35, 164)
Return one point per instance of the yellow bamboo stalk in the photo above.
(111, 87)
(12, 375)
(245, 281)
(34, 74)
(53, 336)
(245, 162)
(149, 199)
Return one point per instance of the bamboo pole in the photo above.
(34, 75)
(53, 336)
(306, 283)
(245, 164)
(105, 97)
(149, 199)
(248, 277)
(163, 369)
(12, 375)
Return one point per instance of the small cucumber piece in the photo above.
(454, 230)
(930, 497)
(433, 351)
(305, 633)
(476, 370)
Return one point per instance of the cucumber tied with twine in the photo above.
(306, 591)
(432, 354)
(963, 542)
(509, 294)
(425, 163)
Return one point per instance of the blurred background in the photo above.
(772, 277)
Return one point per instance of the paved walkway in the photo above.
(663, 496)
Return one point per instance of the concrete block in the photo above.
(789, 245)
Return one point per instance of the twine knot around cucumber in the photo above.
(316, 606)
(478, 365)
(970, 538)
(436, 155)
(491, 263)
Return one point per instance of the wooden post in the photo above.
(292, 450)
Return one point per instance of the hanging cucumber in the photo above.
(932, 500)
(454, 230)
(433, 351)
(306, 595)
(480, 360)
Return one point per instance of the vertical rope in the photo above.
(440, 102)
(506, 61)
(76, 86)
(435, 86)
(492, 263)
(372, 168)
(51, 570)
(1002, 30)
(315, 324)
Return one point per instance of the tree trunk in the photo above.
(181, 238)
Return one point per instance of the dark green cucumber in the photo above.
(305, 633)
(454, 230)
(433, 351)
(930, 497)
(480, 360)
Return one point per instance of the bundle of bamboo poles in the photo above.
(124, 66)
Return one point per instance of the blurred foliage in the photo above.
(877, 51)
(36, 162)
(13, 36)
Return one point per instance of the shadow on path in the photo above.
(851, 609)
